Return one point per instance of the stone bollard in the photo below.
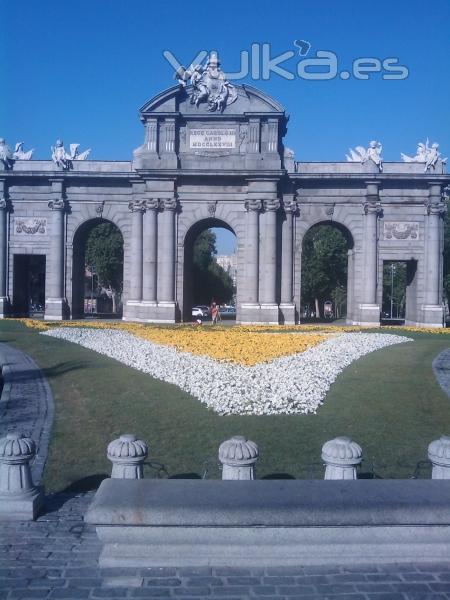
(341, 457)
(238, 457)
(20, 499)
(439, 455)
(127, 455)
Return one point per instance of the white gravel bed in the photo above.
(292, 384)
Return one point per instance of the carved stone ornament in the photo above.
(290, 205)
(153, 203)
(3, 203)
(169, 203)
(362, 155)
(63, 159)
(253, 204)
(137, 205)
(401, 230)
(329, 210)
(212, 207)
(271, 205)
(438, 208)
(425, 154)
(208, 84)
(30, 226)
(57, 204)
(371, 208)
(99, 208)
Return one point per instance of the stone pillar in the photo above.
(150, 251)
(4, 300)
(268, 271)
(341, 457)
(350, 286)
(238, 457)
(287, 306)
(439, 455)
(370, 309)
(20, 500)
(137, 208)
(166, 262)
(432, 308)
(55, 303)
(250, 305)
(127, 455)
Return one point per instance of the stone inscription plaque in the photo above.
(401, 230)
(30, 226)
(212, 139)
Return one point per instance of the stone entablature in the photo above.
(201, 168)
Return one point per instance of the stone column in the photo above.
(166, 263)
(150, 251)
(250, 305)
(4, 301)
(127, 455)
(436, 209)
(287, 306)
(55, 302)
(268, 291)
(238, 456)
(341, 457)
(137, 208)
(370, 309)
(439, 456)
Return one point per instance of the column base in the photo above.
(431, 315)
(259, 314)
(55, 309)
(369, 315)
(4, 307)
(149, 311)
(21, 507)
(287, 313)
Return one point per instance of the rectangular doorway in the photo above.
(395, 283)
(29, 284)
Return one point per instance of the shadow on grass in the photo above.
(66, 367)
(186, 476)
(278, 476)
(86, 484)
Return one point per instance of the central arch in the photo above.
(188, 261)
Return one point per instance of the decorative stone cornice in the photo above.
(57, 204)
(271, 205)
(290, 206)
(253, 205)
(373, 208)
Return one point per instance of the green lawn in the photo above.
(388, 401)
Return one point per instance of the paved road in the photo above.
(26, 403)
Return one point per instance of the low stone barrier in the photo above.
(270, 522)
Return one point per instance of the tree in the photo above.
(104, 251)
(324, 265)
(211, 282)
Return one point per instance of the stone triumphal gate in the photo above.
(212, 156)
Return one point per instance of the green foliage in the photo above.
(394, 289)
(211, 282)
(324, 265)
(104, 250)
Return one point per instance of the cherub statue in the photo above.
(64, 159)
(373, 153)
(19, 153)
(6, 156)
(429, 155)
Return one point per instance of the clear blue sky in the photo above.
(81, 70)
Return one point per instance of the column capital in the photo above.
(168, 203)
(152, 203)
(373, 208)
(253, 205)
(3, 204)
(58, 204)
(271, 205)
(290, 205)
(138, 205)
(436, 208)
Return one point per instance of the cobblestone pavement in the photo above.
(26, 403)
(441, 368)
(56, 557)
